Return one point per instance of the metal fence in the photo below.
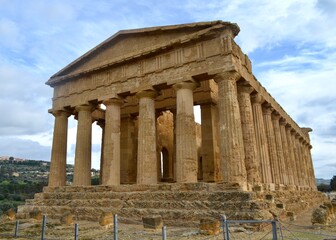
(230, 230)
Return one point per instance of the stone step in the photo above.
(171, 216)
(159, 195)
(166, 204)
(176, 187)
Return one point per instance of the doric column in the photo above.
(292, 158)
(308, 169)
(261, 138)
(279, 149)
(230, 129)
(286, 151)
(313, 180)
(186, 150)
(57, 176)
(128, 165)
(210, 144)
(111, 169)
(249, 136)
(147, 158)
(271, 143)
(307, 147)
(82, 169)
(297, 156)
(304, 166)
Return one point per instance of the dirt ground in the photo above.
(301, 228)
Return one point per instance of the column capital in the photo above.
(275, 116)
(185, 85)
(288, 127)
(283, 122)
(257, 98)
(232, 76)
(58, 113)
(148, 93)
(84, 107)
(245, 88)
(111, 101)
(267, 110)
(297, 135)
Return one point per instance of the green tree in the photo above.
(323, 188)
(333, 183)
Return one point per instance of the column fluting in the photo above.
(186, 150)
(57, 176)
(231, 137)
(82, 168)
(147, 158)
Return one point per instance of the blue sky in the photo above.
(292, 45)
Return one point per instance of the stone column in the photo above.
(271, 143)
(111, 169)
(210, 145)
(297, 157)
(230, 129)
(82, 168)
(283, 177)
(313, 180)
(147, 158)
(249, 136)
(186, 148)
(128, 164)
(261, 139)
(286, 151)
(304, 166)
(57, 176)
(292, 159)
(308, 166)
(307, 148)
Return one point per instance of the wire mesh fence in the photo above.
(125, 228)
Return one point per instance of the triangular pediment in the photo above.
(126, 44)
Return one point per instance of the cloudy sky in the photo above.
(292, 45)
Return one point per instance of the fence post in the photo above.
(76, 231)
(115, 227)
(43, 226)
(16, 233)
(164, 233)
(274, 230)
(225, 228)
(280, 229)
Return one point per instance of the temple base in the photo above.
(175, 203)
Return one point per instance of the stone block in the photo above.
(152, 222)
(257, 188)
(209, 226)
(36, 214)
(291, 216)
(106, 219)
(280, 205)
(10, 214)
(67, 218)
(269, 197)
(319, 216)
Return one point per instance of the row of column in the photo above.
(256, 145)
(274, 151)
(186, 152)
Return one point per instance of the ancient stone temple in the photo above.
(141, 87)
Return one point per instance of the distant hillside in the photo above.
(320, 181)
